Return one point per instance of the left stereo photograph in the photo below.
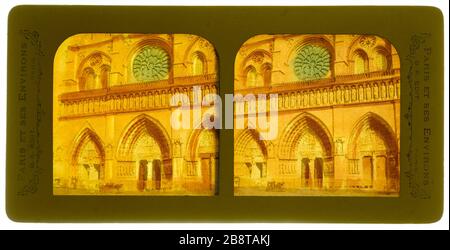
(116, 102)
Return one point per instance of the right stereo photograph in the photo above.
(317, 115)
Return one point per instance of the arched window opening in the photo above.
(104, 76)
(380, 61)
(360, 63)
(252, 77)
(198, 65)
(267, 75)
(88, 79)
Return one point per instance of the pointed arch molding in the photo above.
(201, 45)
(94, 63)
(257, 59)
(84, 137)
(296, 128)
(202, 57)
(245, 137)
(105, 60)
(143, 124)
(376, 122)
(193, 141)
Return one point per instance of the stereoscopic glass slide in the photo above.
(225, 114)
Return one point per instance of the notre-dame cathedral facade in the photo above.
(112, 132)
(338, 116)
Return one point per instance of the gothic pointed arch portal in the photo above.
(374, 155)
(306, 152)
(144, 155)
(202, 161)
(251, 156)
(88, 161)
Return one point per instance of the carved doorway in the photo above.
(88, 162)
(305, 173)
(374, 146)
(206, 168)
(367, 172)
(318, 172)
(142, 175)
(156, 174)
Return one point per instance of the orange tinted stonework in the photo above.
(338, 116)
(111, 118)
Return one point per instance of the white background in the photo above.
(5, 223)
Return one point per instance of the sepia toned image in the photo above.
(112, 132)
(337, 122)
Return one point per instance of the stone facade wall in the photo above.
(338, 114)
(112, 112)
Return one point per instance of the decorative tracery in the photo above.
(312, 62)
(151, 64)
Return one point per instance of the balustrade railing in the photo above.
(128, 98)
